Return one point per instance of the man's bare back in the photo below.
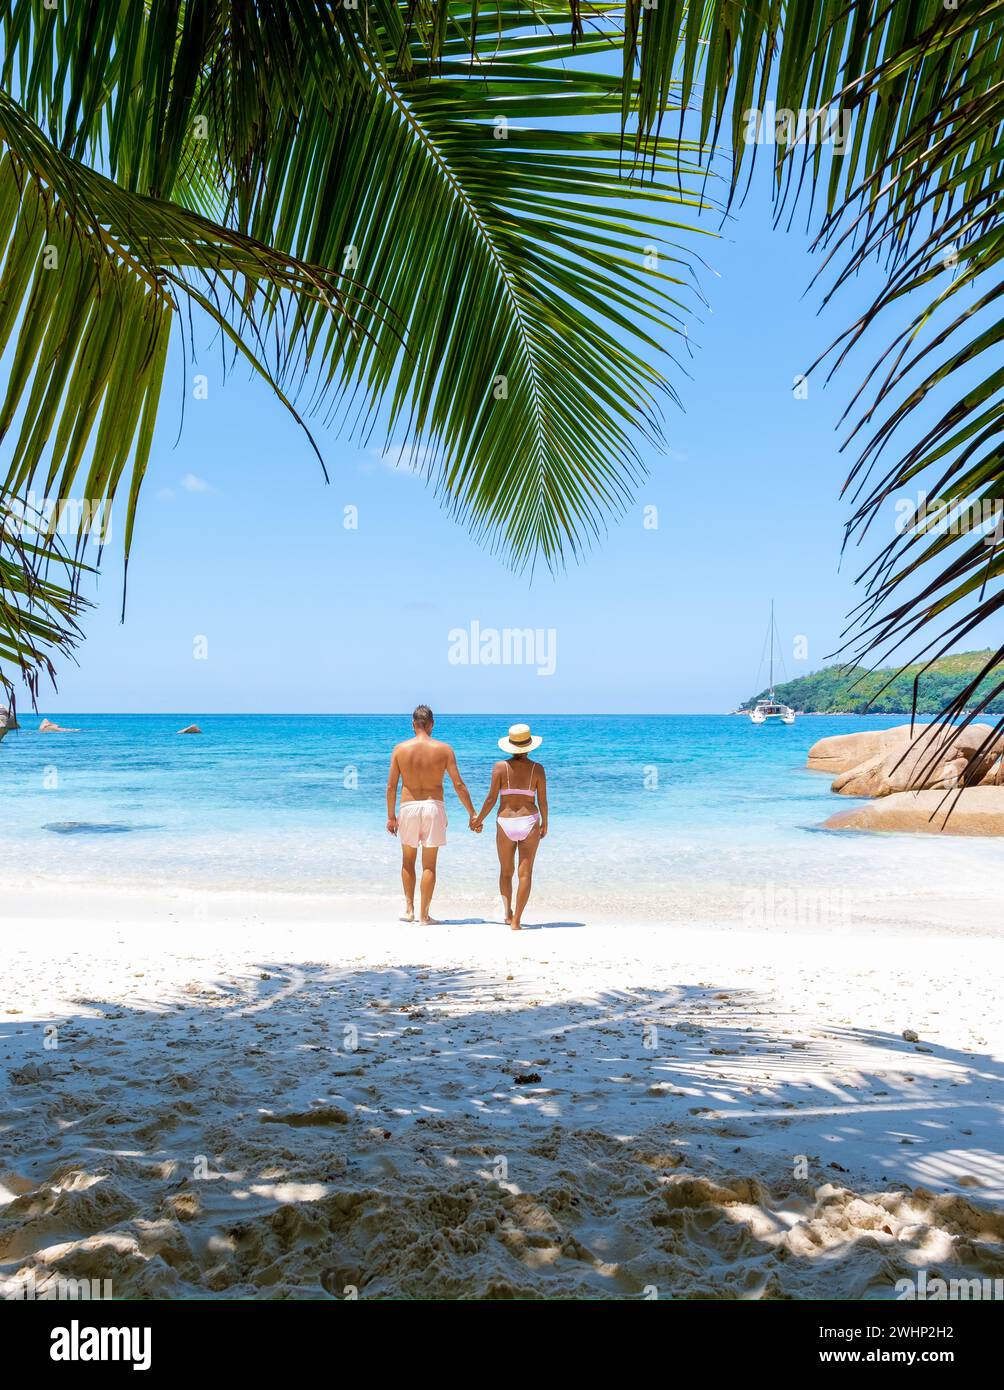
(420, 764)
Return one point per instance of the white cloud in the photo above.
(191, 483)
(401, 458)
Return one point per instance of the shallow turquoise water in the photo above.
(643, 809)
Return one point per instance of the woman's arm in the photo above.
(492, 797)
(542, 799)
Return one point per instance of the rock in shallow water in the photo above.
(937, 758)
(841, 752)
(973, 811)
(86, 827)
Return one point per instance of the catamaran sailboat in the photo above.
(771, 707)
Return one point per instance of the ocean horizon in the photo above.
(679, 817)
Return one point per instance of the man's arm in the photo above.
(458, 782)
(493, 793)
(393, 777)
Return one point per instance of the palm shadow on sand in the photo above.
(297, 1130)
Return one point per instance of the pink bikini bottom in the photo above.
(517, 827)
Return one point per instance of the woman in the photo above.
(520, 788)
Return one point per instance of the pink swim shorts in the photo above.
(422, 823)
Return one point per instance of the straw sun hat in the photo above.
(520, 740)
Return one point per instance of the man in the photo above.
(419, 764)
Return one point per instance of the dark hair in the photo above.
(422, 718)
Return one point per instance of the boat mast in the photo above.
(772, 649)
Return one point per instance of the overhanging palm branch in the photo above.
(91, 279)
(511, 306)
(929, 203)
(332, 133)
(40, 602)
(916, 181)
(534, 310)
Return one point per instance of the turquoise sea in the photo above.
(672, 817)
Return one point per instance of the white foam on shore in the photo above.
(761, 903)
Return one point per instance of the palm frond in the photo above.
(915, 180)
(91, 279)
(518, 292)
(535, 278)
(126, 86)
(511, 297)
(40, 602)
(929, 203)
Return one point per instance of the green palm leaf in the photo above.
(505, 317)
(929, 202)
(91, 278)
(918, 184)
(533, 317)
(504, 308)
(39, 599)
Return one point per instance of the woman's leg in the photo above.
(527, 854)
(507, 863)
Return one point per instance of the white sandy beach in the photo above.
(268, 1097)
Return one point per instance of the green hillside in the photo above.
(851, 690)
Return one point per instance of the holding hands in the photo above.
(476, 824)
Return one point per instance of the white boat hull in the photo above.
(772, 713)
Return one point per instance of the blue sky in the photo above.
(240, 543)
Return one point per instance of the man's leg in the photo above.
(507, 863)
(408, 855)
(527, 854)
(428, 881)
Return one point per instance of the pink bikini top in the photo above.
(507, 790)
